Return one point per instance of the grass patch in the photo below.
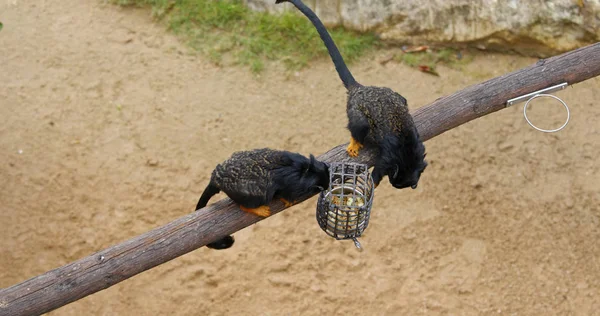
(432, 57)
(228, 32)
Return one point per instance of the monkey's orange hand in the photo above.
(286, 203)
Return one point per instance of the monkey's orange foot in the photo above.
(262, 211)
(353, 147)
(286, 202)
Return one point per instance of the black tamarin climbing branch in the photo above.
(110, 266)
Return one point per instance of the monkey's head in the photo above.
(303, 176)
(402, 160)
(317, 175)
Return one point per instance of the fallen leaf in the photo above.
(429, 70)
(416, 49)
(386, 60)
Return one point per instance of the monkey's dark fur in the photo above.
(378, 116)
(254, 178)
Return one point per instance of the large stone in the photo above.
(531, 27)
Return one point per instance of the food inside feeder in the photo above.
(348, 201)
(346, 216)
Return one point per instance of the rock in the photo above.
(279, 280)
(531, 27)
(152, 162)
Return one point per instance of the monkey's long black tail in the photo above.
(336, 57)
(208, 193)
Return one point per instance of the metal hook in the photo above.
(357, 244)
(542, 93)
(541, 129)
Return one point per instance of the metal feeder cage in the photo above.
(343, 210)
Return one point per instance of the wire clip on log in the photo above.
(540, 94)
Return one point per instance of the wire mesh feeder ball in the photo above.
(343, 210)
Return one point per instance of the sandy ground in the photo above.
(109, 127)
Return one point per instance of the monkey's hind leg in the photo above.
(359, 129)
(354, 147)
(262, 211)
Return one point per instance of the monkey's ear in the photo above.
(308, 165)
(313, 160)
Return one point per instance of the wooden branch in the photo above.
(117, 263)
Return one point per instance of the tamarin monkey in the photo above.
(253, 178)
(378, 116)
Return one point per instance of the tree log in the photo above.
(110, 266)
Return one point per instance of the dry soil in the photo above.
(110, 126)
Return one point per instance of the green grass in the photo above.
(228, 32)
(433, 57)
